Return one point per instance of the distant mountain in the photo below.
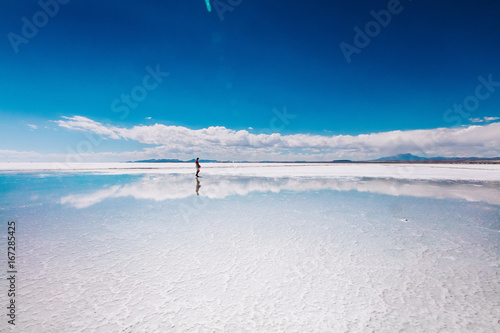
(158, 161)
(206, 161)
(171, 161)
(413, 158)
(401, 157)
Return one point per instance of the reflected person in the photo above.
(197, 186)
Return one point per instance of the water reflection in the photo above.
(163, 187)
(197, 186)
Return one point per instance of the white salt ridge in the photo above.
(484, 172)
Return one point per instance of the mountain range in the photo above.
(400, 158)
(439, 159)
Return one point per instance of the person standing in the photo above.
(198, 166)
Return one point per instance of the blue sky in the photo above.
(244, 71)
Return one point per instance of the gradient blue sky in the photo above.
(232, 73)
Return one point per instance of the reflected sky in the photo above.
(164, 187)
(86, 190)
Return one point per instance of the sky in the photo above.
(122, 80)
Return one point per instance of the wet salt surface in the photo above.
(137, 253)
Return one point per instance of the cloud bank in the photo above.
(217, 142)
(223, 143)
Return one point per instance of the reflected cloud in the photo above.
(164, 187)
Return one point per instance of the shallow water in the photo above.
(139, 253)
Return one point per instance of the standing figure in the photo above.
(198, 166)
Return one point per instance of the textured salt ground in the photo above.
(319, 261)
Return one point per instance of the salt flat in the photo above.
(400, 171)
(253, 248)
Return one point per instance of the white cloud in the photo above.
(75, 157)
(18, 156)
(148, 118)
(32, 126)
(476, 120)
(488, 119)
(484, 119)
(225, 144)
(222, 143)
(85, 124)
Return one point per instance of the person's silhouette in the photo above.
(198, 166)
(197, 186)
